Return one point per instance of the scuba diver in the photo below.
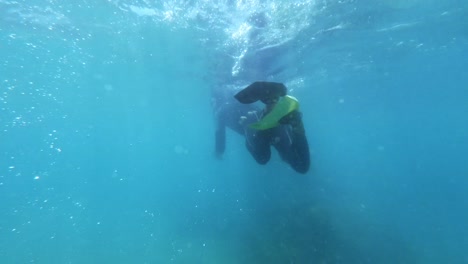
(278, 124)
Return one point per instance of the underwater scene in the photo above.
(234, 131)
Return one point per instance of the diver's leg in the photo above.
(299, 156)
(258, 144)
(294, 147)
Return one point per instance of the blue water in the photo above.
(107, 132)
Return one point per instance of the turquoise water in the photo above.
(107, 132)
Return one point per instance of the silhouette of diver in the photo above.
(278, 124)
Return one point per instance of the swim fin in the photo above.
(261, 91)
(283, 107)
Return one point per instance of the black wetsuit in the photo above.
(289, 138)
